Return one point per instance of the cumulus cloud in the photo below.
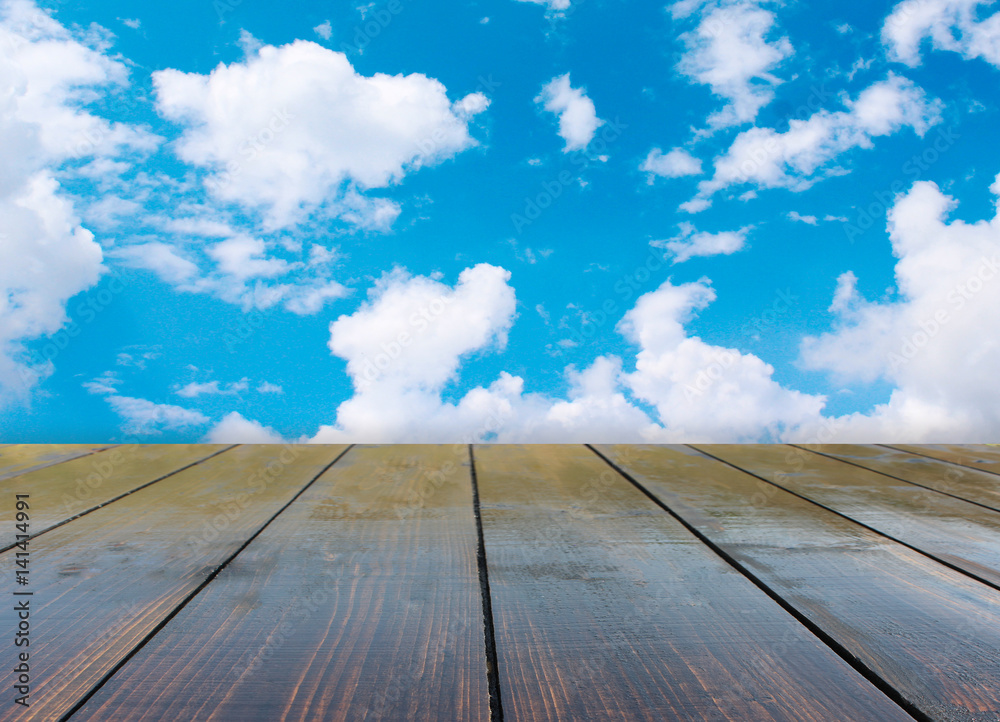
(674, 164)
(935, 343)
(46, 255)
(950, 25)
(578, 119)
(797, 158)
(235, 429)
(211, 388)
(732, 53)
(691, 242)
(555, 7)
(295, 128)
(401, 353)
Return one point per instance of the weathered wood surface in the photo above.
(976, 456)
(606, 607)
(360, 601)
(963, 482)
(106, 580)
(20, 458)
(951, 530)
(927, 631)
(66, 490)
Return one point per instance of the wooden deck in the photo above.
(704, 582)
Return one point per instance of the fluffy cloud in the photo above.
(797, 158)
(46, 255)
(556, 7)
(691, 243)
(578, 119)
(951, 25)
(401, 353)
(701, 391)
(235, 429)
(729, 51)
(294, 128)
(674, 164)
(935, 344)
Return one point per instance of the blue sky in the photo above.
(574, 220)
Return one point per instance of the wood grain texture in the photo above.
(963, 482)
(607, 608)
(952, 530)
(360, 601)
(21, 458)
(930, 632)
(976, 456)
(68, 489)
(104, 581)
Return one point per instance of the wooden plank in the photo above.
(965, 483)
(62, 492)
(607, 608)
(954, 531)
(104, 581)
(21, 458)
(929, 632)
(983, 457)
(360, 601)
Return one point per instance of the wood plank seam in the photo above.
(492, 664)
(927, 554)
(120, 496)
(938, 458)
(899, 478)
(39, 467)
(833, 644)
(208, 580)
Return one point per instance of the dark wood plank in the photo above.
(21, 458)
(954, 531)
(360, 601)
(984, 457)
(104, 581)
(929, 632)
(607, 608)
(965, 483)
(68, 489)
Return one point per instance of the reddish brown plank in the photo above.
(953, 531)
(929, 632)
(104, 581)
(360, 601)
(73, 487)
(963, 482)
(607, 608)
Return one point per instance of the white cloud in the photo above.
(730, 52)
(235, 429)
(690, 243)
(705, 392)
(324, 30)
(556, 7)
(797, 158)
(133, 23)
(674, 164)
(266, 387)
(578, 119)
(144, 417)
(295, 128)
(799, 218)
(935, 344)
(951, 25)
(211, 388)
(47, 76)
